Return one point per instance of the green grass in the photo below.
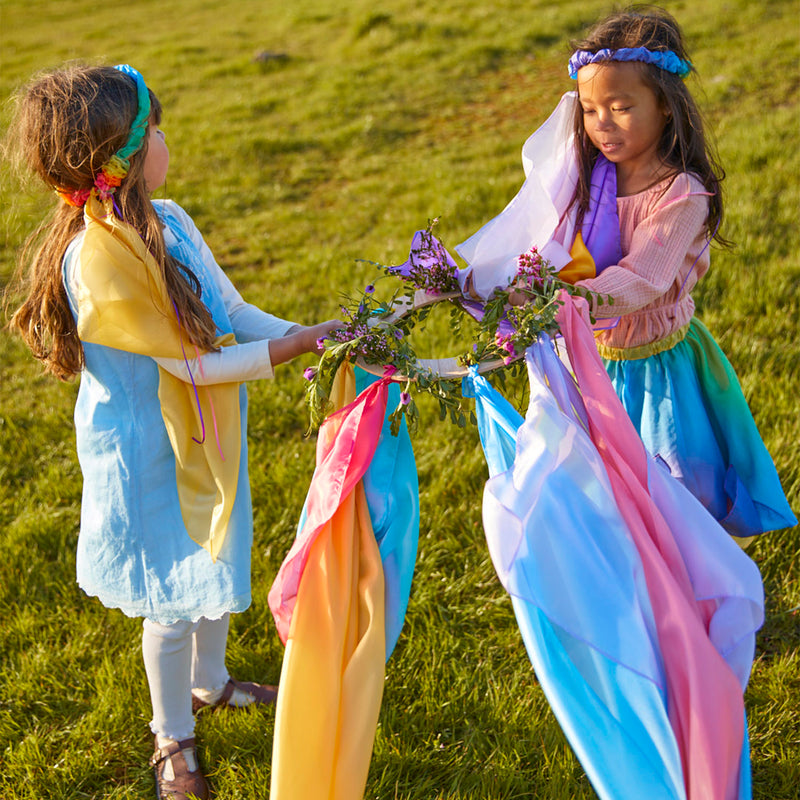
(381, 116)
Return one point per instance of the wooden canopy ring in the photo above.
(447, 368)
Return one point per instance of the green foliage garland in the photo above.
(377, 332)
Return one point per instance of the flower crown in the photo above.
(113, 172)
(663, 59)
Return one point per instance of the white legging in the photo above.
(178, 658)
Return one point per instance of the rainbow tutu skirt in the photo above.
(689, 409)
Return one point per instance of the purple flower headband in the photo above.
(663, 59)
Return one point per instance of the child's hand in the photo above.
(301, 339)
(318, 332)
(517, 298)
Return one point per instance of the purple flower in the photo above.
(405, 398)
(309, 373)
(321, 342)
(505, 329)
(370, 289)
(398, 334)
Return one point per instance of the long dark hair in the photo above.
(68, 124)
(684, 145)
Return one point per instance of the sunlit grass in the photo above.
(373, 119)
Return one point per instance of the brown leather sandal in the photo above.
(264, 694)
(185, 785)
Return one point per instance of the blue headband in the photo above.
(663, 59)
(142, 119)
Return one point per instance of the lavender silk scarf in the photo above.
(600, 226)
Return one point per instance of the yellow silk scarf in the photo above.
(332, 677)
(582, 265)
(123, 303)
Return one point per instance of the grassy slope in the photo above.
(383, 115)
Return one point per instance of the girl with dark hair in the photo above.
(623, 197)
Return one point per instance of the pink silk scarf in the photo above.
(704, 697)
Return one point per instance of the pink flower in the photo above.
(405, 398)
(309, 373)
(321, 342)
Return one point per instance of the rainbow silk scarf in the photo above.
(716, 596)
(637, 610)
(328, 602)
(123, 304)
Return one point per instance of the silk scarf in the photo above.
(123, 304)
(706, 594)
(640, 624)
(542, 214)
(329, 607)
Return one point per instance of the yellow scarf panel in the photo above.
(582, 265)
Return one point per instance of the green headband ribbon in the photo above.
(140, 122)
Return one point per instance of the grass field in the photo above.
(374, 117)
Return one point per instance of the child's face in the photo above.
(156, 161)
(621, 115)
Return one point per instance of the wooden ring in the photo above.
(448, 368)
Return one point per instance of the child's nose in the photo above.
(604, 122)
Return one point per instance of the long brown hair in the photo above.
(68, 123)
(684, 145)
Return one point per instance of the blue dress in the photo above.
(134, 552)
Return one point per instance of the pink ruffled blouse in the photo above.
(664, 242)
